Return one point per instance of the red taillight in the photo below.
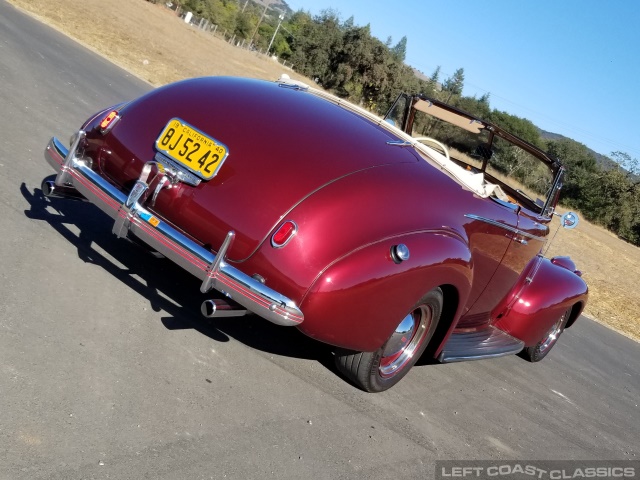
(109, 121)
(285, 232)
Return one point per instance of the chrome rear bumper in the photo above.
(129, 215)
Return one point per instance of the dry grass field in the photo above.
(151, 42)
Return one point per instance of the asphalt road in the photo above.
(107, 369)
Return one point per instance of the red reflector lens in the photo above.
(286, 231)
(108, 119)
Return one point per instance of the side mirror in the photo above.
(569, 220)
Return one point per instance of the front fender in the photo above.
(544, 292)
(358, 300)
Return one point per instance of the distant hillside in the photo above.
(280, 5)
(420, 75)
(604, 161)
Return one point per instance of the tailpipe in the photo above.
(221, 308)
(51, 190)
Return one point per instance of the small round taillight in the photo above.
(284, 234)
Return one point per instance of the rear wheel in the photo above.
(377, 371)
(540, 350)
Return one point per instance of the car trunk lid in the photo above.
(283, 145)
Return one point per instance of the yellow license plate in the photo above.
(187, 145)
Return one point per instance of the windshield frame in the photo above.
(461, 119)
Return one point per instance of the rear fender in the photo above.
(547, 288)
(358, 300)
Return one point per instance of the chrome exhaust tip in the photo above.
(51, 190)
(219, 308)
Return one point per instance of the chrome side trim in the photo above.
(506, 204)
(479, 345)
(399, 143)
(212, 269)
(531, 275)
(509, 228)
(286, 82)
(527, 281)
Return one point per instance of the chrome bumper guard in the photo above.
(130, 215)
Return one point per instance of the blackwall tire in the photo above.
(380, 370)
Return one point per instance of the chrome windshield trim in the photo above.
(509, 228)
(212, 269)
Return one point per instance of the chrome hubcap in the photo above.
(405, 341)
(401, 337)
(553, 334)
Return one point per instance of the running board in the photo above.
(489, 342)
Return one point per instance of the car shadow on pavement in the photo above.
(167, 287)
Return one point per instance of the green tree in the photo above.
(454, 84)
(581, 167)
(399, 52)
(348, 23)
(201, 8)
(352, 63)
(314, 42)
(623, 213)
(520, 127)
(244, 26)
(631, 165)
(608, 201)
(435, 76)
(478, 107)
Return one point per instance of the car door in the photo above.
(524, 239)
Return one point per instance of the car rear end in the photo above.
(205, 171)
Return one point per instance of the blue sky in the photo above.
(570, 66)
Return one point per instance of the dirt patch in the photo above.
(154, 44)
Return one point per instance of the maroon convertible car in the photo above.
(418, 234)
